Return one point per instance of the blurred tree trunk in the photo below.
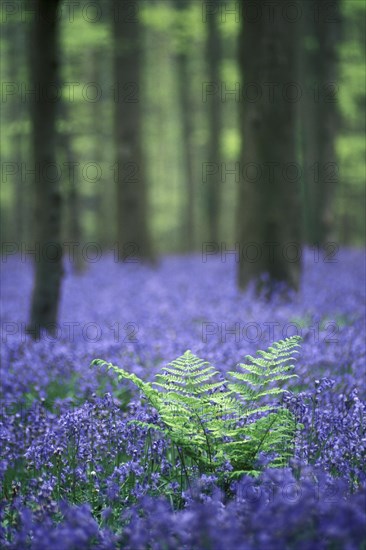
(104, 229)
(309, 112)
(269, 205)
(186, 109)
(48, 261)
(95, 72)
(72, 197)
(132, 228)
(319, 115)
(214, 56)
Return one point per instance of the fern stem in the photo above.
(183, 467)
(263, 438)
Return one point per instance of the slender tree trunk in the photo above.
(214, 55)
(132, 228)
(309, 113)
(185, 105)
(27, 148)
(185, 110)
(96, 58)
(48, 260)
(320, 117)
(328, 33)
(269, 204)
(72, 197)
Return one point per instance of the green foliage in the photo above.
(213, 423)
(258, 380)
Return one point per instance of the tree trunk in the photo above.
(103, 230)
(185, 112)
(309, 111)
(320, 117)
(72, 203)
(269, 199)
(185, 106)
(327, 123)
(48, 257)
(214, 55)
(132, 228)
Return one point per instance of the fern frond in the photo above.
(215, 421)
(259, 372)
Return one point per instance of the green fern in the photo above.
(260, 372)
(273, 430)
(212, 422)
(196, 417)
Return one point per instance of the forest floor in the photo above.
(142, 318)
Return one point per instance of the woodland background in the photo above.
(157, 127)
